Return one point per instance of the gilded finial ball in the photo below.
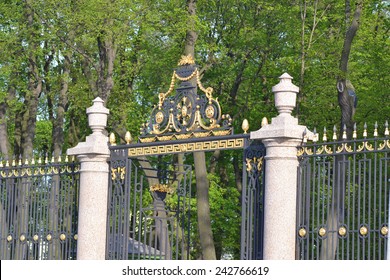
(128, 137)
(112, 139)
(245, 125)
(264, 122)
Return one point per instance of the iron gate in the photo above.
(142, 223)
(343, 198)
(38, 210)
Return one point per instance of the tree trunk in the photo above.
(329, 245)
(203, 207)
(202, 183)
(4, 142)
(58, 125)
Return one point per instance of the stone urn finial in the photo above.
(285, 94)
(97, 116)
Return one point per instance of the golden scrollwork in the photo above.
(187, 147)
(344, 147)
(121, 171)
(185, 60)
(365, 146)
(384, 144)
(300, 152)
(258, 162)
(221, 132)
(161, 188)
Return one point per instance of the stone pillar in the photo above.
(281, 139)
(93, 155)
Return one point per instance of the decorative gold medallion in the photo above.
(322, 232)
(363, 230)
(210, 111)
(62, 237)
(48, 237)
(76, 237)
(22, 238)
(342, 231)
(159, 117)
(35, 237)
(302, 232)
(384, 230)
(9, 238)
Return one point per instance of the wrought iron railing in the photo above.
(38, 210)
(343, 198)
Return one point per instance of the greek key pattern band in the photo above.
(187, 147)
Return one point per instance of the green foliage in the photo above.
(243, 46)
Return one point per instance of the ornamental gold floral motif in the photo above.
(161, 188)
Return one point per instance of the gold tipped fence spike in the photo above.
(334, 133)
(316, 135)
(324, 138)
(387, 128)
(354, 134)
(344, 132)
(376, 129)
(365, 130)
(20, 162)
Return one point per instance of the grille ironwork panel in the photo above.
(252, 216)
(148, 222)
(39, 206)
(343, 198)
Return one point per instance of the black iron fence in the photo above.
(38, 210)
(252, 214)
(343, 198)
(148, 209)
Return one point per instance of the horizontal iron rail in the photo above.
(181, 146)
